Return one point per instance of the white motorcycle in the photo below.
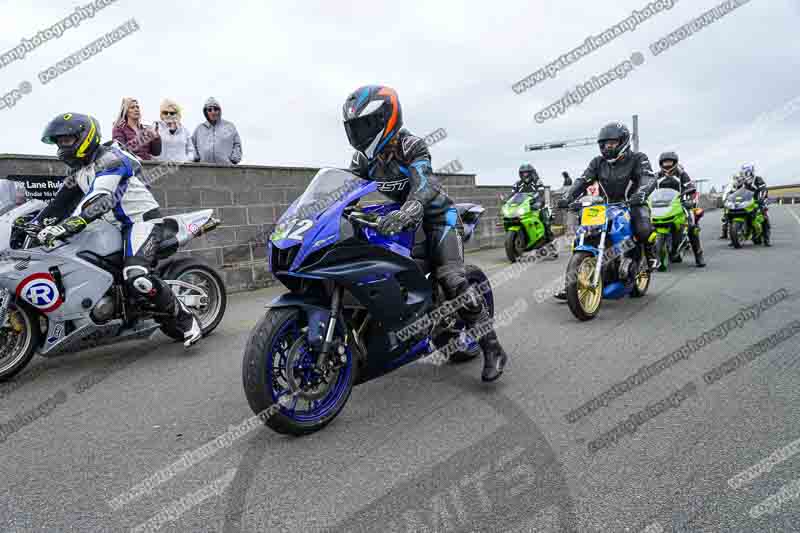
(70, 296)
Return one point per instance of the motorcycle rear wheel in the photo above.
(208, 315)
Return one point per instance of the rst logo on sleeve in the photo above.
(40, 291)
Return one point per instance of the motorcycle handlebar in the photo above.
(354, 217)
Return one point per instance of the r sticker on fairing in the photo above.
(40, 290)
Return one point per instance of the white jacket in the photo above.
(176, 146)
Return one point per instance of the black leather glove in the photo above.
(396, 221)
(69, 226)
(563, 203)
(638, 198)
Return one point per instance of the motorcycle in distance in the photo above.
(523, 223)
(359, 305)
(671, 226)
(70, 296)
(596, 272)
(745, 218)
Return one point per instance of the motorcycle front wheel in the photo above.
(583, 300)
(737, 233)
(663, 247)
(19, 338)
(515, 245)
(281, 381)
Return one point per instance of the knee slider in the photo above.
(137, 277)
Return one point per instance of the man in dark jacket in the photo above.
(401, 165)
(757, 184)
(529, 182)
(623, 175)
(216, 140)
(673, 176)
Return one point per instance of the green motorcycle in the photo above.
(745, 218)
(523, 221)
(670, 225)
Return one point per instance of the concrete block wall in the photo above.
(249, 199)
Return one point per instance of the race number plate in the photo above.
(594, 216)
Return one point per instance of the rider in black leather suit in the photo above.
(530, 182)
(757, 184)
(401, 165)
(673, 176)
(623, 175)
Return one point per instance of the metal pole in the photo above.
(635, 133)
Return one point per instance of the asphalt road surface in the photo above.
(431, 448)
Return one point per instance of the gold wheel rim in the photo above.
(642, 279)
(588, 297)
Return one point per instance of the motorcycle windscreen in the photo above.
(742, 195)
(661, 202)
(328, 187)
(520, 197)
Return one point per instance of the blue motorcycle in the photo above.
(360, 304)
(597, 271)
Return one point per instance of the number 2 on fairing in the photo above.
(300, 227)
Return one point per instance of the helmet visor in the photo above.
(361, 131)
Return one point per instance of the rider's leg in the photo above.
(642, 228)
(724, 234)
(141, 240)
(548, 230)
(767, 227)
(446, 254)
(694, 240)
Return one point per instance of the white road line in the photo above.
(792, 212)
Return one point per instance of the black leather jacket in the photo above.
(404, 174)
(531, 186)
(758, 186)
(678, 180)
(619, 180)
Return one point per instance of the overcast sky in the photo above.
(283, 69)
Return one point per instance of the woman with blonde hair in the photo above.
(129, 131)
(176, 139)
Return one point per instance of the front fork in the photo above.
(599, 266)
(336, 303)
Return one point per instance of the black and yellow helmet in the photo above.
(84, 128)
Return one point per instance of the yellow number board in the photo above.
(594, 216)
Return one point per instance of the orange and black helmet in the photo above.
(372, 117)
(86, 131)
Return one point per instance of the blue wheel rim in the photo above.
(318, 409)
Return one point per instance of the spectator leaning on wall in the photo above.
(216, 140)
(176, 140)
(128, 130)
